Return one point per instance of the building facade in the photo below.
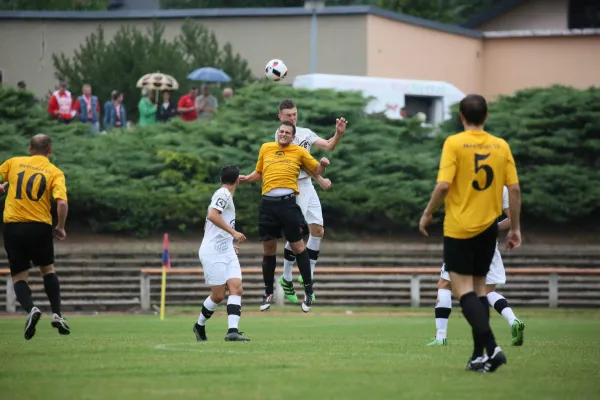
(365, 41)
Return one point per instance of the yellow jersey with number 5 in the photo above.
(477, 165)
(32, 181)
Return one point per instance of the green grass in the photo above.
(327, 354)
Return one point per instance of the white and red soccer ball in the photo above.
(276, 70)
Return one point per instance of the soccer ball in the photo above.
(276, 70)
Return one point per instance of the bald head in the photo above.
(227, 93)
(40, 145)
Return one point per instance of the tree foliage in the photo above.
(153, 178)
(447, 11)
(54, 5)
(119, 63)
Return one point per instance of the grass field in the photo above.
(327, 354)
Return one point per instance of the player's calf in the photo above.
(269, 265)
(208, 309)
(517, 326)
(443, 309)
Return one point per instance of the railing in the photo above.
(415, 278)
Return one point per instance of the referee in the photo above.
(28, 234)
(278, 166)
(474, 167)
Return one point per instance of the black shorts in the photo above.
(278, 214)
(28, 243)
(471, 256)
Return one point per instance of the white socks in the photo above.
(314, 244)
(210, 307)
(500, 304)
(442, 313)
(288, 264)
(234, 313)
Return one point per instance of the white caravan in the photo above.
(433, 98)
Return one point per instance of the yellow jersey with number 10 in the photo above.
(477, 165)
(32, 182)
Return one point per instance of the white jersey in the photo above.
(505, 204)
(216, 240)
(305, 138)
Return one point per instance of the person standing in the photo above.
(167, 109)
(28, 235)
(87, 108)
(474, 168)
(147, 109)
(278, 166)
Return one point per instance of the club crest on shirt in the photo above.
(304, 144)
(221, 202)
(280, 153)
(232, 223)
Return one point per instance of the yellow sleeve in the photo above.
(4, 168)
(511, 169)
(447, 169)
(259, 163)
(307, 161)
(59, 187)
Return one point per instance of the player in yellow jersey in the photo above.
(28, 235)
(278, 166)
(474, 167)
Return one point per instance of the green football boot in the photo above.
(288, 290)
(516, 331)
(436, 342)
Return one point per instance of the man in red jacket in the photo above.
(60, 105)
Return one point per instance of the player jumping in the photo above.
(308, 199)
(218, 255)
(496, 276)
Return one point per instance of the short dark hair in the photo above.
(288, 123)
(116, 94)
(40, 144)
(474, 109)
(230, 174)
(21, 85)
(286, 104)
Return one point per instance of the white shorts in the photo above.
(309, 202)
(496, 276)
(220, 267)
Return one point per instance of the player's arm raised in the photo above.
(331, 143)
(323, 182)
(446, 174)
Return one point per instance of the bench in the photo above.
(552, 274)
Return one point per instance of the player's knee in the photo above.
(21, 276)
(444, 284)
(490, 288)
(236, 290)
(297, 247)
(316, 230)
(48, 269)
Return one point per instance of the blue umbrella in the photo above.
(209, 74)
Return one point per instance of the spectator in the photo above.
(114, 112)
(60, 105)
(187, 105)
(87, 108)
(206, 103)
(147, 108)
(167, 109)
(227, 93)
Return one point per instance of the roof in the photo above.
(491, 13)
(235, 13)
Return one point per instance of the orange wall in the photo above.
(399, 50)
(517, 63)
(534, 14)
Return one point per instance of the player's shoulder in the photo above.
(222, 192)
(269, 145)
(304, 131)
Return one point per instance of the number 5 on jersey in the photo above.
(489, 172)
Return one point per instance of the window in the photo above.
(584, 14)
(431, 106)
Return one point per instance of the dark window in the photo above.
(584, 14)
